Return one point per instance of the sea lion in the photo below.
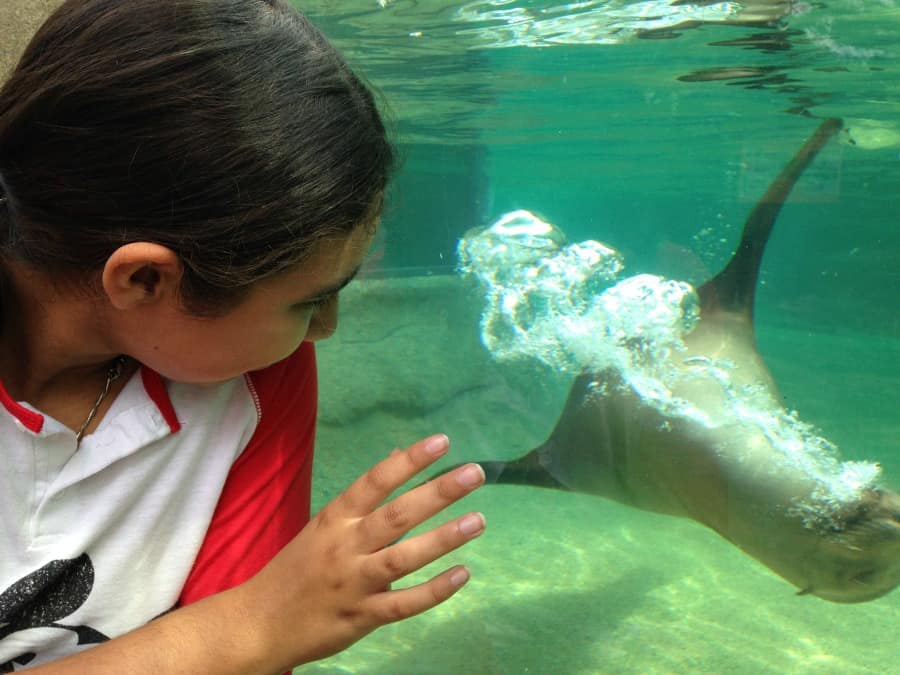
(610, 442)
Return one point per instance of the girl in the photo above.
(185, 187)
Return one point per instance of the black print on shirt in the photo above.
(44, 597)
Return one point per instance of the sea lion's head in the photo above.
(860, 560)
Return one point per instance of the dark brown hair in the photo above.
(230, 131)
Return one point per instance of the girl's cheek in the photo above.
(301, 330)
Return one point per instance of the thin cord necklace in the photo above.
(112, 374)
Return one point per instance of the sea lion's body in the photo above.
(730, 477)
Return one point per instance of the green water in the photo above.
(620, 141)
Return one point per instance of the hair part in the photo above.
(230, 131)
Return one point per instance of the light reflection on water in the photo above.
(596, 22)
(443, 64)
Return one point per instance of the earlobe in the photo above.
(141, 273)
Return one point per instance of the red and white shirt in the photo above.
(181, 492)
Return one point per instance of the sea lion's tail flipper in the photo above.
(526, 470)
(732, 290)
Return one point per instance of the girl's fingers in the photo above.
(374, 486)
(397, 517)
(391, 606)
(397, 561)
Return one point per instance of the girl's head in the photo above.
(229, 131)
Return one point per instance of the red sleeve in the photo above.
(266, 498)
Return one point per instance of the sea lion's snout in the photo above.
(851, 584)
(862, 587)
(864, 559)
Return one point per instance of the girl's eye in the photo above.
(319, 303)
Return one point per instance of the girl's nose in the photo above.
(324, 322)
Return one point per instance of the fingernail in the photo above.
(470, 476)
(472, 524)
(459, 576)
(437, 445)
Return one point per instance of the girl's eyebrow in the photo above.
(331, 290)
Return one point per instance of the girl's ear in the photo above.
(141, 273)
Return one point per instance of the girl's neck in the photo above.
(50, 339)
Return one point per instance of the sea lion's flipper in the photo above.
(732, 290)
(581, 454)
(526, 470)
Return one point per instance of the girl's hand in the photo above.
(332, 584)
